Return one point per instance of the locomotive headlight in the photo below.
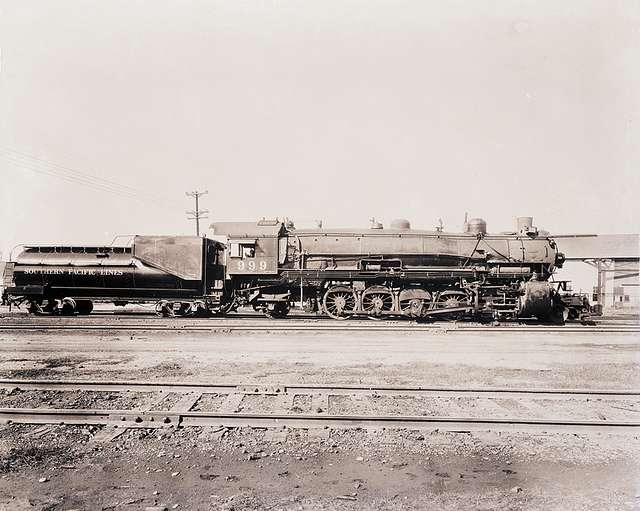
(560, 258)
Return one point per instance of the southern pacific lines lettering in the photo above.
(72, 271)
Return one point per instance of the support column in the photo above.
(600, 284)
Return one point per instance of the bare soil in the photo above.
(219, 469)
(17, 398)
(503, 359)
(241, 469)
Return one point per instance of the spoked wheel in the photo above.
(276, 310)
(376, 300)
(453, 300)
(414, 307)
(339, 302)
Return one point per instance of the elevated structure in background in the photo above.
(616, 257)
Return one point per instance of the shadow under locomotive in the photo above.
(272, 266)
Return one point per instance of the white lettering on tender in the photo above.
(72, 271)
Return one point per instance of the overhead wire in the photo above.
(42, 166)
(27, 166)
(68, 170)
(50, 170)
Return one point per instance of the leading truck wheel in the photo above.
(559, 315)
(84, 307)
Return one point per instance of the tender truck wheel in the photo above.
(84, 307)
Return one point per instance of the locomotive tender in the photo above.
(271, 265)
(181, 270)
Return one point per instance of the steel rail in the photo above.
(313, 328)
(291, 318)
(155, 419)
(261, 388)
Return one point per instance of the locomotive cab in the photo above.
(253, 248)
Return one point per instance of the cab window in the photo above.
(234, 250)
(242, 250)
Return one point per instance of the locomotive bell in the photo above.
(401, 223)
(477, 226)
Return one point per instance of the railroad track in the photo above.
(269, 389)
(254, 322)
(268, 326)
(326, 406)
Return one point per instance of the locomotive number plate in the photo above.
(257, 265)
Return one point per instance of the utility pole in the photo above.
(198, 213)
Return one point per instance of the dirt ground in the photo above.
(56, 468)
(242, 469)
(499, 359)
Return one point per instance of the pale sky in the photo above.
(340, 110)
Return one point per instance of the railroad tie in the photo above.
(108, 434)
(494, 409)
(320, 403)
(155, 404)
(511, 405)
(285, 401)
(232, 403)
(187, 402)
(40, 432)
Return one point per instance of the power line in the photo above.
(45, 171)
(198, 213)
(68, 170)
(42, 166)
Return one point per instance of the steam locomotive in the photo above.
(270, 265)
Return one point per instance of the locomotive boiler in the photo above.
(172, 271)
(395, 271)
